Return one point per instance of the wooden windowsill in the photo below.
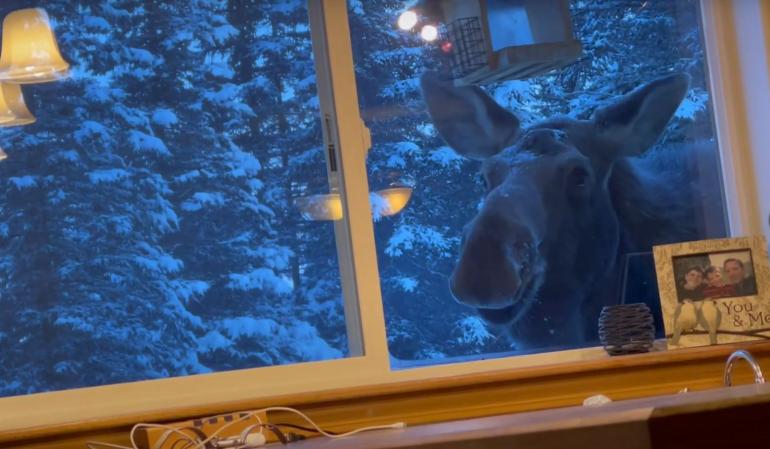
(633, 424)
(432, 401)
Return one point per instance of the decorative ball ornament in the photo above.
(626, 329)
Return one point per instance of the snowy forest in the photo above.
(147, 219)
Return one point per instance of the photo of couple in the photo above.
(715, 275)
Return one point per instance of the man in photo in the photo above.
(736, 275)
(716, 287)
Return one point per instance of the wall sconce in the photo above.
(13, 109)
(30, 53)
(328, 207)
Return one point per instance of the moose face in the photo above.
(547, 234)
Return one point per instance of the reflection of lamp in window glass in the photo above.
(407, 20)
(384, 203)
(3, 155)
(320, 207)
(13, 110)
(29, 50)
(389, 201)
(487, 41)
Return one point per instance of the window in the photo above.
(152, 221)
(362, 339)
(448, 300)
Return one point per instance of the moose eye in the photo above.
(578, 177)
(578, 183)
(481, 179)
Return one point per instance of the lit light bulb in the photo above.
(429, 33)
(407, 20)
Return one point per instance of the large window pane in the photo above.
(556, 222)
(148, 220)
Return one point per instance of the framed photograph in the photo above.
(714, 291)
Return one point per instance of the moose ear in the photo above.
(468, 119)
(635, 121)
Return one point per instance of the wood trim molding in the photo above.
(461, 397)
(731, 116)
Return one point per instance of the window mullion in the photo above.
(347, 142)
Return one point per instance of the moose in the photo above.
(565, 199)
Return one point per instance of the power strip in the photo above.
(148, 438)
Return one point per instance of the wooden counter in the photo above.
(721, 418)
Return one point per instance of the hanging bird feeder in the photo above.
(494, 40)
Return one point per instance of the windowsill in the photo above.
(640, 423)
(428, 401)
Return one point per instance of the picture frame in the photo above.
(714, 291)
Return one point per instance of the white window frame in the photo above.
(738, 92)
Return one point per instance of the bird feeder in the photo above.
(495, 40)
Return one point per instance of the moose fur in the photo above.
(565, 200)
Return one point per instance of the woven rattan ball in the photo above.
(626, 329)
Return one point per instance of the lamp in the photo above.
(320, 207)
(29, 50)
(394, 200)
(13, 110)
(328, 206)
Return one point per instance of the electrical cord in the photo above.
(210, 441)
(296, 427)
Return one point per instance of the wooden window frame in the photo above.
(363, 389)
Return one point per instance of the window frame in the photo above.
(725, 29)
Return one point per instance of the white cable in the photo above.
(198, 444)
(398, 425)
(94, 444)
(169, 431)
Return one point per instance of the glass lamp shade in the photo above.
(320, 207)
(328, 207)
(395, 200)
(13, 110)
(29, 52)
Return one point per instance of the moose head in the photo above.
(541, 253)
